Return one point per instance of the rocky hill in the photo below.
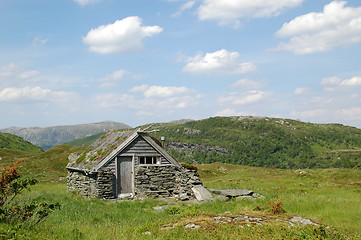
(9, 141)
(49, 137)
(263, 141)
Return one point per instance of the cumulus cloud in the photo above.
(230, 11)
(219, 62)
(36, 94)
(86, 2)
(232, 112)
(336, 26)
(329, 115)
(336, 84)
(161, 91)
(301, 90)
(185, 6)
(247, 84)
(152, 100)
(14, 75)
(124, 35)
(112, 79)
(243, 98)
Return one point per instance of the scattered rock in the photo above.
(303, 221)
(183, 197)
(236, 193)
(207, 221)
(191, 226)
(256, 195)
(233, 192)
(221, 219)
(201, 193)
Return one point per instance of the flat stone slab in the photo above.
(231, 193)
(303, 221)
(201, 193)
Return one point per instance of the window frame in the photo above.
(149, 160)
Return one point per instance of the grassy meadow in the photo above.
(328, 196)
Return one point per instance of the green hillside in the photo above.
(9, 141)
(258, 141)
(48, 166)
(266, 142)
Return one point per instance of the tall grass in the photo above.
(332, 197)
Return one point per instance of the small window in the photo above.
(149, 160)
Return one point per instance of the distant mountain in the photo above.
(49, 137)
(9, 141)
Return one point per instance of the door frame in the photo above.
(117, 174)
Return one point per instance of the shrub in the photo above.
(276, 207)
(21, 213)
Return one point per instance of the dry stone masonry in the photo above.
(149, 182)
(165, 181)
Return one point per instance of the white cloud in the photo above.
(28, 74)
(243, 98)
(232, 112)
(230, 11)
(38, 42)
(29, 95)
(301, 90)
(161, 91)
(219, 62)
(152, 100)
(185, 6)
(329, 115)
(112, 79)
(114, 101)
(86, 2)
(337, 84)
(124, 35)
(247, 84)
(13, 75)
(336, 26)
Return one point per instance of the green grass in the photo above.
(329, 196)
(46, 166)
(10, 141)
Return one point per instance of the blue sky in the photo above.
(141, 61)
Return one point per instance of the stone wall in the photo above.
(165, 181)
(149, 182)
(106, 184)
(101, 185)
(82, 184)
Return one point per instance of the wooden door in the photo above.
(125, 175)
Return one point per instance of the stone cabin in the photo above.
(129, 164)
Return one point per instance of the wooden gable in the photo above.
(136, 144)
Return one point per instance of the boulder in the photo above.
(201, 193)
